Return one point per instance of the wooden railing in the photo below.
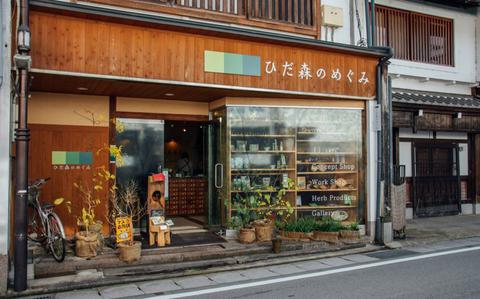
(294, 12)
(299, 12)
(415, 37)
(234, 7)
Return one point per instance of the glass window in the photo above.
(317, 150)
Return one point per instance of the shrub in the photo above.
(302, 225)
(329, 225)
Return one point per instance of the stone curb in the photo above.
(204, 267)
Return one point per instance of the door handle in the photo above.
(218, 182)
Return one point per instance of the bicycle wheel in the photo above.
(35, 230)
(56, 241)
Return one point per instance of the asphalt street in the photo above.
(453, 275)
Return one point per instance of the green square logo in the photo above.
(59, 158)
(214, 62)
(86, 158)
(73, 158)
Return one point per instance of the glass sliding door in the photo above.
(142, 144)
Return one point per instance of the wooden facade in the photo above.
(71, 44)
(436, 121)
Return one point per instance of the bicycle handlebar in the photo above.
(39, 182)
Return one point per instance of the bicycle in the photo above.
(44, 225)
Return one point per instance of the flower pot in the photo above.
(130, 252)
(277, 245)
(263, 231)
(331, 237)
(350, 235)
(97, 228)
(231, 234)
(86, 244)
(246, 235)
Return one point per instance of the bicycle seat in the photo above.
(48, 206)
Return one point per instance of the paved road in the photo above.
(447, 269)
(454, 275)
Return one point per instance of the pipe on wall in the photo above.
(380, 156)
(368, 24)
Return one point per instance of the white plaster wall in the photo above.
(5, 128)
(348, 33)
(478, 45)
(441, 77)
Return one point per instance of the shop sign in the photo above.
(64, 160)
(307, 71)
(124, 229)
(340, 215)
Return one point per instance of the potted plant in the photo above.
(126, 203)
(245, 206)
(327, 230)
(350, 233)
(233, 226)
(271, 205)
(301, 229)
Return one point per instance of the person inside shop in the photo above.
(184, 166)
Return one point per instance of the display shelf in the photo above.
(260, 135)
(264, 169)
(262, 191)
(262, 152)
(326, 207)
(327, 172)
(326, 153)
(327, 190)
(322, 163)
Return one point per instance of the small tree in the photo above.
(126, 203)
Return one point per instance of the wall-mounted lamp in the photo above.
(420, 112)
(458, 115)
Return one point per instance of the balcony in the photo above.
(296, 16)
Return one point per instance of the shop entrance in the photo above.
(181, 149)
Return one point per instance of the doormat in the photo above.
(190, 239)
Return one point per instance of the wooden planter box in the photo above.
(331, 237)
(349, 236)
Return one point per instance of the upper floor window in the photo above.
(414, 36)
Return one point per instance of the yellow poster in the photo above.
(124, 229)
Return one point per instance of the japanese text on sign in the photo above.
(308, 72)
(124, 229)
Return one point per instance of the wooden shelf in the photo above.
(262, 152)
(262, 191)
(323, 141)
(260, 209)
(328, 172)
(326, 190)
(325, 153)
(322, 133)
(325, 207)
(322, 163)
(266, 136)
(263, 169)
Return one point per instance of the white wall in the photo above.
(349, 33)
(441, 77)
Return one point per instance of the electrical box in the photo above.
(332, 16)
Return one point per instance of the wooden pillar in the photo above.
(112, 132)
(477, 169)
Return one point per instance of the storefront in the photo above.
(252, 115)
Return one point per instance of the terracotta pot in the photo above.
(331, 237)
(277, 245)
(86, 244)
(246, 235)
(350, 235)
(130, 253)
(263, 232)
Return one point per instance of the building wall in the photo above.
(68, 109)
(412, 74)
(161, 106)
(5, 109)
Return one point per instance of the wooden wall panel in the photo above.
(72, 44)
(48, 138)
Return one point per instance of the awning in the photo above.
(435, 99)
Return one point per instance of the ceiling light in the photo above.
(82, 88)
(184, 130)
(169, 94)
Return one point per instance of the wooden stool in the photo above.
(163, 235)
